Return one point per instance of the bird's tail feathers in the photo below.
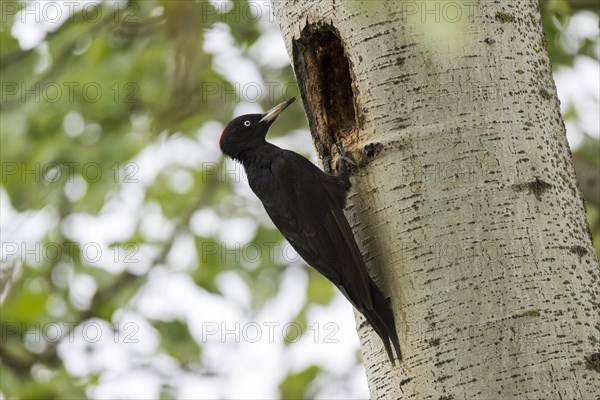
(381, 319)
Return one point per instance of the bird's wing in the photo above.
(306, 205)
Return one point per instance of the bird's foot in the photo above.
(327, 165)
(343, 164)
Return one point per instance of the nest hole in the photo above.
(326, 85)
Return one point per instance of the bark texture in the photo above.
(464, 201)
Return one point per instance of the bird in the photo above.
(307, 207)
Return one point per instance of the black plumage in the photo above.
(307, 205)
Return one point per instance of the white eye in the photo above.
(246, 123)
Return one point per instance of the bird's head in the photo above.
(247, 131)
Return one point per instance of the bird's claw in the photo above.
(343, 163)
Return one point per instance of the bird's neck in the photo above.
(259, 154)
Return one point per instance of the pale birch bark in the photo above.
(465, 203)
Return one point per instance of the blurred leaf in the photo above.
(589, 150)
(319, 290)
(295, 385)
(210, 264)
(10, 381)
(241, 19)
(60, 386)
(177, 341)
(26, 302)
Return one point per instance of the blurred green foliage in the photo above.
(97, 94)
(295, 386)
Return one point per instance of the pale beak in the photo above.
(275, 111)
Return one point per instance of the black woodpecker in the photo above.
(306, 205)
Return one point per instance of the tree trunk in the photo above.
(464, 199)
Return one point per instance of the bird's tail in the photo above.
(381, 319)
